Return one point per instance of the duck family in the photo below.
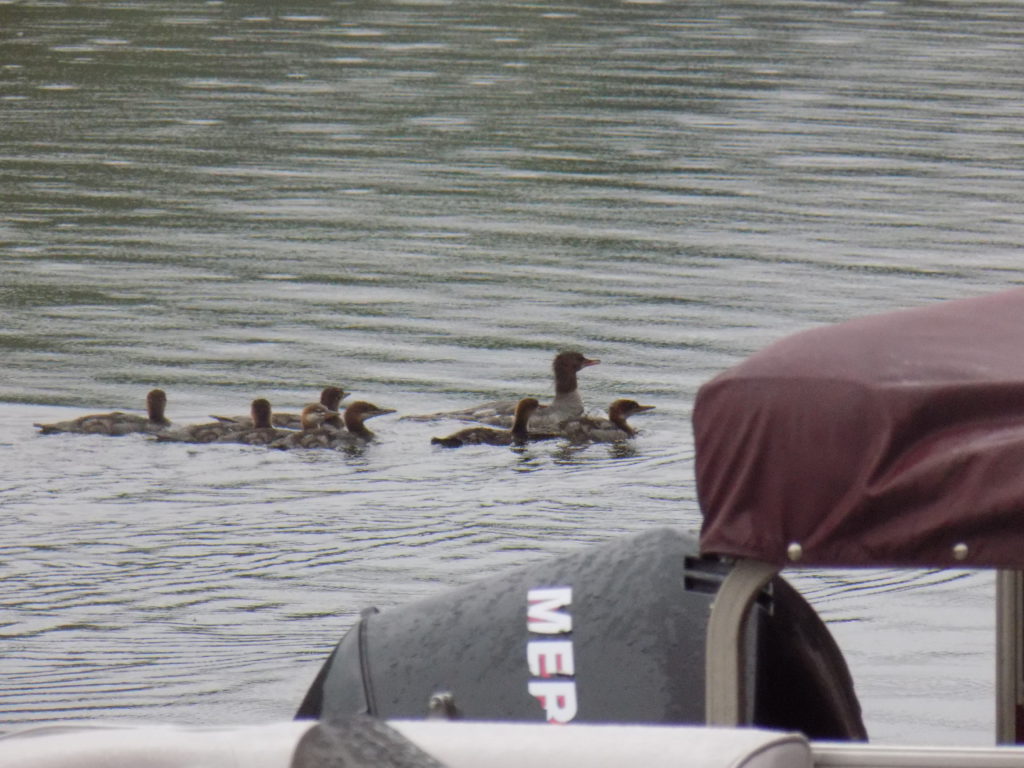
(323, 424)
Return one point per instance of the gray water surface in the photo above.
(421, 202)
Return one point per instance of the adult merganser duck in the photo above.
(264, 433)
(330, 398)
(519, 433)
(328, 437)
(213, 431)
(566, 404)
(610, 430)
(117, 423)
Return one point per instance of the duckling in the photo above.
(330, 398)
(610, 430)
(518, 434)
(327, 437)
(264, 433)
(116, 423)
(212, 431)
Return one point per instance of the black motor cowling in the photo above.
(611, 634)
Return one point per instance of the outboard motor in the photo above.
(611, 634)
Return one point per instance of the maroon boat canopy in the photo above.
(895, 439)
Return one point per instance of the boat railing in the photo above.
(836, 755)
(727, 702)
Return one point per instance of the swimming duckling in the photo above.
(327, 437)
(330, 398)
(610, 430)
(264, 433)
(212, 431)
(518, 434)
(116, 423)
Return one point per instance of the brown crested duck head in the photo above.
(359, 411)
(620, 410)
(260, 411)
(331, 397)
(156, 404)
(314, 414)
(565, 366)
(525, 408)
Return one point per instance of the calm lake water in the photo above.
(421, 202)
